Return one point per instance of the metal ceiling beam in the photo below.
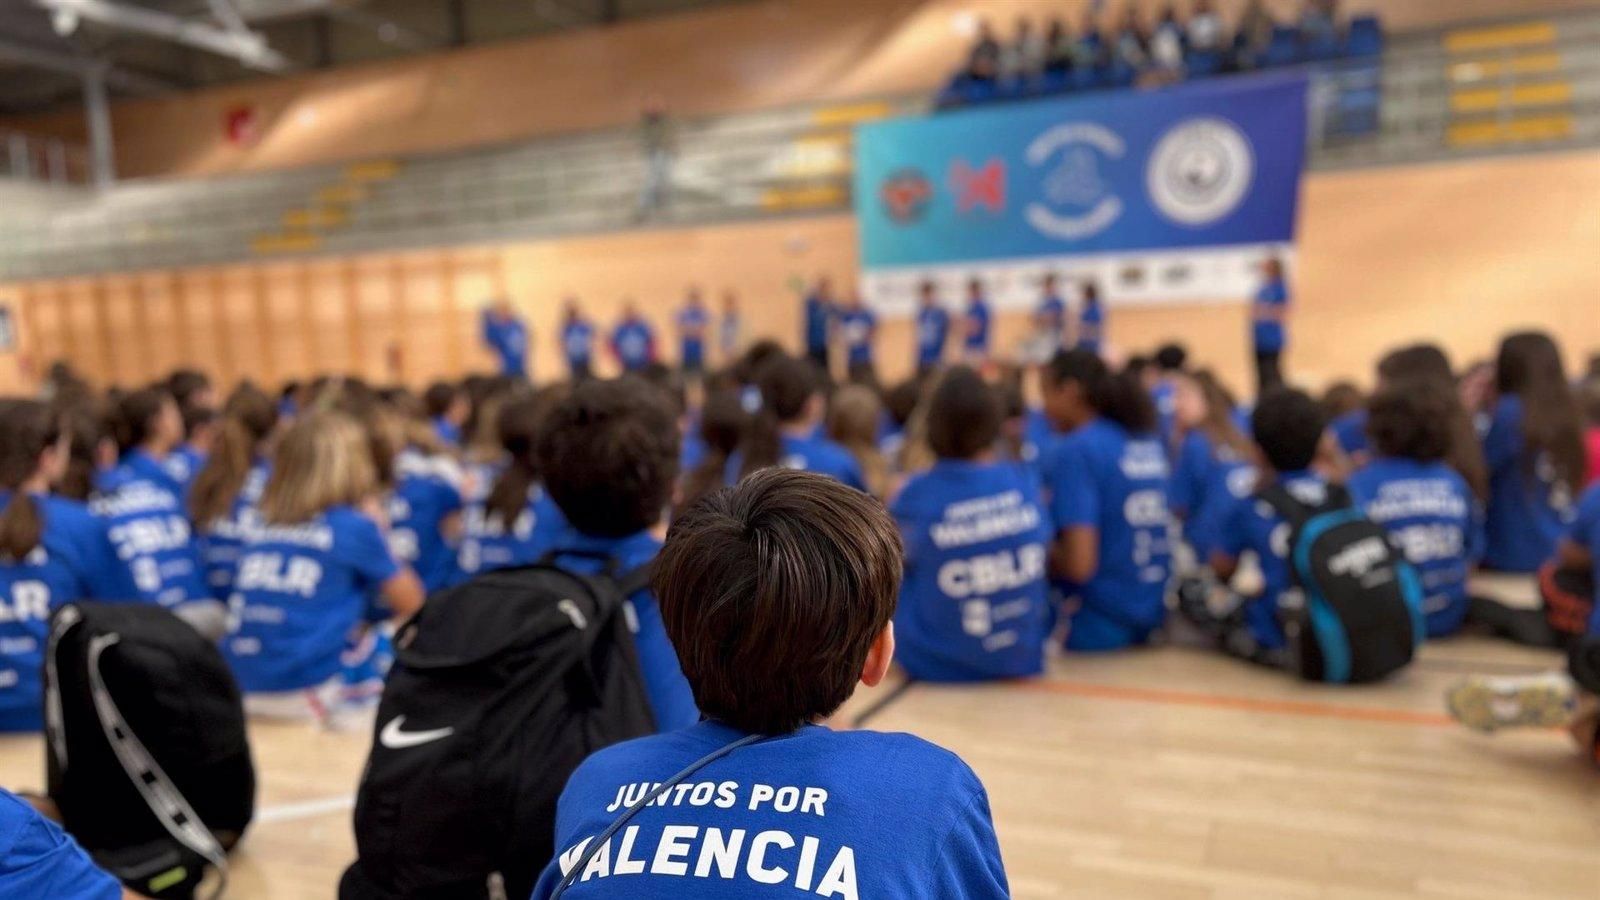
(248, 47)
(81, 67)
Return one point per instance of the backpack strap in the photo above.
(634, 580)
(594, 846)
(163, 798)
(1297, 513)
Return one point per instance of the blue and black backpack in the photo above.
(1361, 618)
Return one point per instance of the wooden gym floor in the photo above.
(1166, 773)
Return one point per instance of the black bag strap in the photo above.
(1296, 513)
(162, 797)
(594, 846)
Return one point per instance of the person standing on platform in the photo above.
(1049, 319)
(819, 308)
(857, 327)
(728, 330)
(933, 328)
(1269, 318)
(507, 336)
(577, 341)
(693, 321)
(633, 342)
(1091, 320)
(975, 325)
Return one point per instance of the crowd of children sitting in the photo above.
(291, 528)
(1131, 50)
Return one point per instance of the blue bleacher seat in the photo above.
(1365, 37)
(1284, 48)
(1203, 63)
(1054, 81)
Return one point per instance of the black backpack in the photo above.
(1361, 618)
(147, 757)
(500, 688)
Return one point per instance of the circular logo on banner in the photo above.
(1199, 171)
(1077, 201)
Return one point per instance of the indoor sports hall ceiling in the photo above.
(152, 46)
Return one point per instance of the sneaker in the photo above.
(1488, 704)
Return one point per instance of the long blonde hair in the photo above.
(853, 415)
(323, 460)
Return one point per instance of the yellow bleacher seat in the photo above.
(1511, 131)
(289, 242)
(1522, 34)
(1551, 93)
(1473, 70)
(852, 114)
(372, 170)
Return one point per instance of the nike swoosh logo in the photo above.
(396, 739)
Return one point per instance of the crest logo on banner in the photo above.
(1080, 201)
(906, 195)
(1199, 171)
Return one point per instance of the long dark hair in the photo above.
(785, 384)
(722, 424)
(248, 418)
(1529, 366)
(1117, 396)
(27, 427)
(133, 414)
(519, 423)
(1427, 364)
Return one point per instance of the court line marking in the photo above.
(1243, 704)
(308, 809)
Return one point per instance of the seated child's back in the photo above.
(778, 595)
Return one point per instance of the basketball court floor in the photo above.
(1166, 773)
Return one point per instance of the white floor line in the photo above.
(289, 812)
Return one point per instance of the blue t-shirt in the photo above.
(183, 464)
(488, 544)
(74, 561)
(933, 329)
(692, 324)
(1268, 332)
(809, 453)
(1051, 315)
(427, 492)
(972, 605)
(1091, 319)
(1102, 477)
(818, 313)
(447, 431)
(508, 338)
(634, 344)
(219, 542)
(1039, 436)
(810, 813)
(1432, 518)
(39, 860)
(857, 327)
(149, 527)
(1528, 509)
(1165, 397)
(1210, 479)
(1254, 525)
(977, 321)
(1585, 532)
(1350, 431)
(671, 698)
(298, 593)
(577, 342)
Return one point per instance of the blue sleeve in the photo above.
(1503, 442)
(1235, 537)
(1074, 496)
(105, 575)
(968, 864)
(38, 859)
(1194, 461)
(911, 527)
(359, 543)
(1584, 531)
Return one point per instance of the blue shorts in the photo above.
(1089, 631)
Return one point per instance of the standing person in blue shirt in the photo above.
(144, 508)
(447, 406)
(1426, 506)
(694, 320)
(52, 552)
(1534, 450)
(783, 431)
(1108, 483)
(973, 603)
(506, 334)
(1269, 317)
(1287, 425)
(1214, 470)
(39, 860)
(858, 327)
(793, 807)
(633, 341)
(227, 491)
(730, 328)
(307, 567)
(608, 452)
(818, 322)
(933, 328)
(512, 522)
(1091, 320)
(577, 341)
(975, 325)
(1050, 318)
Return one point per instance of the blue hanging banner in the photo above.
(1160, 195)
